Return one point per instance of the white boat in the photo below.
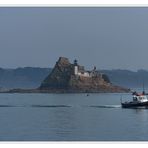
(139, 100)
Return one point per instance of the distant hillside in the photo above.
(128, 78)
(30, 77)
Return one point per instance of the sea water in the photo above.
(70, 117)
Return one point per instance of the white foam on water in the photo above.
(106, 106)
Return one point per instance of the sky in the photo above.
(108, 38)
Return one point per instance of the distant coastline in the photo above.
(71, 78)
(28, 79)
(31, 77)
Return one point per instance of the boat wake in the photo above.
(50, 106)
(106, 106)
(44, 106)
(7, 106)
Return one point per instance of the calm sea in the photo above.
(70, 117)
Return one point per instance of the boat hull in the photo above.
(134, 105)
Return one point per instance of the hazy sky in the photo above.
(109, 38)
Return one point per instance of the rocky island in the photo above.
(69, 77)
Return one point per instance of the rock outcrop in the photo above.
(67, 77)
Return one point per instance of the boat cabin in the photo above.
(138, 101)
(140, 98)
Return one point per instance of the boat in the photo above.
(139, 100)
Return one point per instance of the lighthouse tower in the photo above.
(75, 67)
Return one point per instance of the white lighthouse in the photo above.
(75, 67)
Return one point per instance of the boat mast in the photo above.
(121, 99)
(143, 88)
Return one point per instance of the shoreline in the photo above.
(51, 91)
